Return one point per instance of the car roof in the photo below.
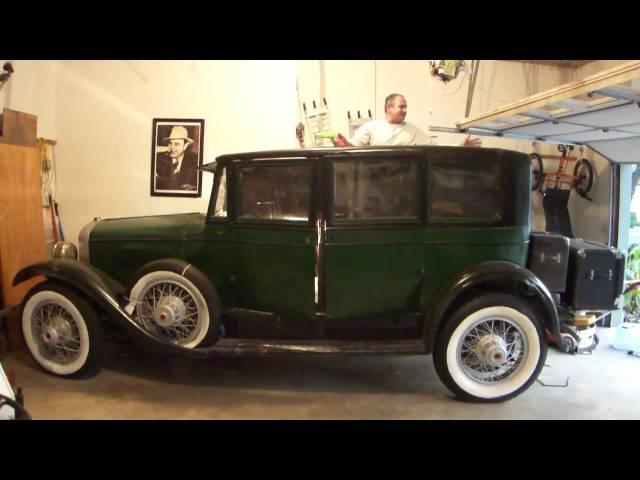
(302, 153)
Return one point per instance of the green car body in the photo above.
(347, 250)
(382, 268)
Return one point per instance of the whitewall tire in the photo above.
(491, 349)
(61, 330)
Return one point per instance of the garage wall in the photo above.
(362, 85)
(101, 114)
(352, 85)
(104, 126)
(31, 89)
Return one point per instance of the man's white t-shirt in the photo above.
(381, 132)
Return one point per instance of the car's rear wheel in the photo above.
(176, 303)
(491, 349)
(62, 331)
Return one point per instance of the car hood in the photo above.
(152, 227)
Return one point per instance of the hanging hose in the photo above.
(53, 220)
(45, 147)
(59, 221)
(46, 171)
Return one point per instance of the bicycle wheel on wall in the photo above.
(537, 171)
(584, 171)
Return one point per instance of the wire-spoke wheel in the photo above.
(61, 330)
(491, 349)
(176, 308)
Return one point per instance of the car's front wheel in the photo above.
(491, 349)
(62, 330)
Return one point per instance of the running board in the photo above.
(242, 346)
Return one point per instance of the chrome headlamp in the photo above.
(65, 250)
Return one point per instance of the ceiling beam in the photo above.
(606, 78)
(557, 63)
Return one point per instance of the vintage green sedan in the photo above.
(382, 250)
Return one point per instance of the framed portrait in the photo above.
(177, 154)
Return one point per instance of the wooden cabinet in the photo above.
(22, 239)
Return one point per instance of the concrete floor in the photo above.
(132, 385)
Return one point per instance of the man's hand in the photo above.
(340, 141)
(472, 142)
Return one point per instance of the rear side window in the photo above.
(376, 190)
(274, 192)
(220, 206)
(466, 192)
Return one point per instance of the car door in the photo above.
(274, 236)
(477, 210)
(372, 252)
(213, 251)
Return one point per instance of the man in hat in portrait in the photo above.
(176, 169)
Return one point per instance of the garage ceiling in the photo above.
(558, 63)
(601, 111)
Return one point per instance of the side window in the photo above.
(220, 207)
(469, 192)
(378, 189)
(275, 192)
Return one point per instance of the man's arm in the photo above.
(469, 141)
(361, 138)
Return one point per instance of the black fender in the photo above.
(495, 275)
(107, 293)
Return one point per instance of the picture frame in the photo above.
(176, 157)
